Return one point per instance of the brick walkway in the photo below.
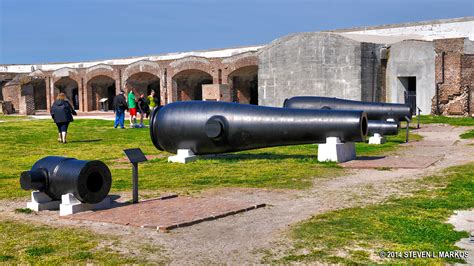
(169, 213)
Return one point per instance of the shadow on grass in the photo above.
(85, 140)
(369, 158)
(260, 156)
(115, 204)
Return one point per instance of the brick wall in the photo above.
(11, 93)
(454, 86)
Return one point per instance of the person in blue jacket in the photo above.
(61, 112)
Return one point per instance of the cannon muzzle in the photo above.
(383, 127)
(89, 181)
(374, 110)
(218, 127)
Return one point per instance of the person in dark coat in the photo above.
(61, 112)
(120, 105)
(143, 109)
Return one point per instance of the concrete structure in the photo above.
(336, 151)
(428, 64)
(183, 156)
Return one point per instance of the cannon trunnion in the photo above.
(218, 127)
(88, 181)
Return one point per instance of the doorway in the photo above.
(409, 86)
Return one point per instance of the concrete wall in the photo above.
(424, 30)
(412, 58)
(323, 64)
(371, 84)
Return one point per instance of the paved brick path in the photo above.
(169, 213)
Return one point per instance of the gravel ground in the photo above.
(242, 238)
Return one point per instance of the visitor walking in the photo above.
(132, 108)
(120, 105)
(143, 108)
(61, 112)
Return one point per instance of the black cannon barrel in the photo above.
(383, 127)
(374, 110)
(89, 181)
(218, 127)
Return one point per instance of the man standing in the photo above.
(143, 109)
(120, 105)
(132, 108)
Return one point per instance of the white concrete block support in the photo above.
(183, 156)
(336, 151)
(40, 202)
(377, 139)
(70, 205)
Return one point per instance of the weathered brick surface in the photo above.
(216, 92)
(454, 87)
(11, 94)
(169, 213)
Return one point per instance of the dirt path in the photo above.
(240, 238)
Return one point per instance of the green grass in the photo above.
(22, 243)
(417, 222)
(24, 210)
(363, 149)
(454, 121)
(291, 167)
(468, 135)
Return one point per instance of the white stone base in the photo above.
(70, 205)
(183, 156)
(377, 139)
(40, 202)
(336, 151)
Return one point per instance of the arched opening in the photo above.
(188, 84)
(100, 87)
(39, 93)
(145, 82)
(244, 84)
(69, 87)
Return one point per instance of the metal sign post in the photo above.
(135, 156)
(408, 129)
(419, 110)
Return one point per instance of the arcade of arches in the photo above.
(86, 93)
(188, 84)
(100, 87)
(69, 87)
(244, 84)
(144, 83)
(39, 94)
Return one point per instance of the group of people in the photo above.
(62, 111)
(143, 106)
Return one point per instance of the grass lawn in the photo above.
(23, 141)
(30, 244)
(415, 223)
(293, 167)
(454, 121)
(468, 135)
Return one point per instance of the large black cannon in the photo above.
(218, 127)
(88, 181)
(374, 110)
(382, 127)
